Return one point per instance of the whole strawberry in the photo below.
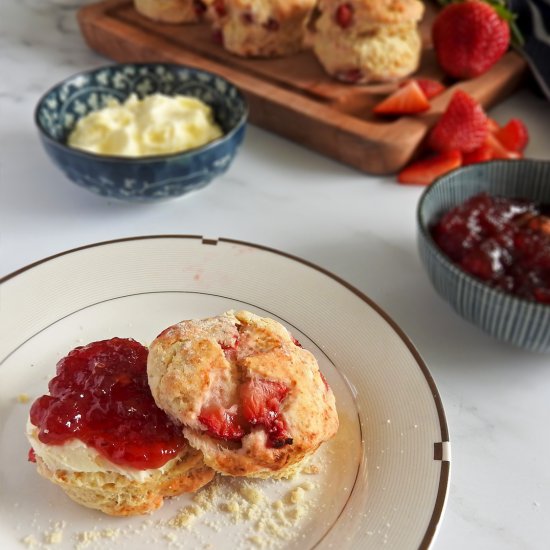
(469, 37)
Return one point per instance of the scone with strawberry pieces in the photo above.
(247, 395)
(260, 28)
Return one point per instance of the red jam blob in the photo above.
(503, 242)
(100, 395)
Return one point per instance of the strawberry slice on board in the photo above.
(492, 125)
(407, 100)
(221, 423)
(501, 152)
(431, 88)
(425, 171)
(260, 405)
(463, 126)
(514, 135)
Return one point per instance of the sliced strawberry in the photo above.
(499, 151)
(514, 135)
(462, 127)
(272, 24)
(260, 402)
(200, 7)
(217, 36)
(344, 15)
(492, 125)
(219, 8)
(296, 342)
(350, 75)
(425, 171)
(430, 87)
(324, 381)
(221, 423)
(407, 100)
(32, 455)
(481, 154)
(230, 349)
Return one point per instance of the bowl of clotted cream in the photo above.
(142, 131)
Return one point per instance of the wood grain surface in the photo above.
(292, 96)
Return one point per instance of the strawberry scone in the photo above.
(99, 435)
(172, 11)
(248, 396)
(360, 41)
(260, 28)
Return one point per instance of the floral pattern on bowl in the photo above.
(146, 178)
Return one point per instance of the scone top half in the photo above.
(246, 393)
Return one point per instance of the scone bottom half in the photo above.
(99, 435)
(246, 393)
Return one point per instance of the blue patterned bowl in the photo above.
(510, 319)
(147, 178)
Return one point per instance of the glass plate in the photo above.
(383, 480)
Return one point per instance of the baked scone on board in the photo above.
(260, 28)
(248, 396)
(361, 41)
(172, 11)
(99, 435)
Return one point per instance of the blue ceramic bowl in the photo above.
(519, 322)
(147, 178)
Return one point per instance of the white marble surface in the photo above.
(497, 399)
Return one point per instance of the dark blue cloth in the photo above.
(534, 24)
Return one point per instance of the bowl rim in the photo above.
(444, 259)
(148, 158)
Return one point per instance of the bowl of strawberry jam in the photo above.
(484, 240)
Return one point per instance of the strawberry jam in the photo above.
(100, 395)
(503, 242)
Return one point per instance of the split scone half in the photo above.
(99, 435)
(248, 396)
(125, 493)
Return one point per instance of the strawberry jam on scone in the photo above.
(246, 393)
(100, 436)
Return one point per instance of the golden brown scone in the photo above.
(247, 394)
(171, 11)
(118, 495)
(361, 41)
(260, 28)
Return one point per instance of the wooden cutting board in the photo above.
(292, 96)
